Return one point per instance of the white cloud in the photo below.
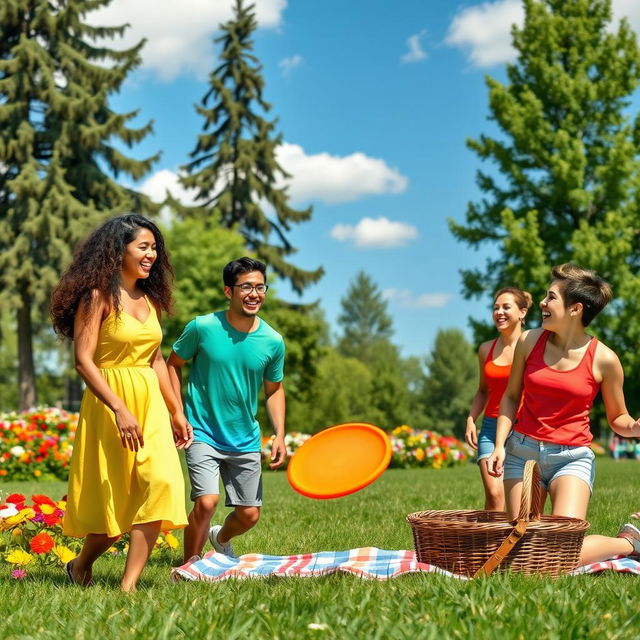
(157, 185)
(410, 300)
(416, 52)
(289, 64)
(334, 179)
(484, 30)
(179, 34)
(379, 233)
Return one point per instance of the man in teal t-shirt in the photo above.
(233, 352)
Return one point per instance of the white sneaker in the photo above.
(225, 548)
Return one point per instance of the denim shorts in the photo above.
(554, 460)
(241, 474)
(487, 438)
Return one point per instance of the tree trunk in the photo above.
(72, 384)
(26, 368)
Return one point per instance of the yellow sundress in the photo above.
(112, 488)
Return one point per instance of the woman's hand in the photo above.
(182, 430)
(471, 434)
(129, 429)
(495, 462)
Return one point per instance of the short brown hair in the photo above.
(583, 286)
(523, 298)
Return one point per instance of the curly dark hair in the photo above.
(96, 266)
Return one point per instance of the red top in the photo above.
(556, 404)
(496, 376)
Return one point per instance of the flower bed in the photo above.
(410, 448)
(31, 535)
(36, 444)
(423, 448)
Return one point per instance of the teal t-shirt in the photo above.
(226, 373)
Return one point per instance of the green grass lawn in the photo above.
(421, 606)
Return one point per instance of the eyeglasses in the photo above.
(245, 287)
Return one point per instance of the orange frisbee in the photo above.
(339, 460)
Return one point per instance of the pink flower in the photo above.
(18, 574)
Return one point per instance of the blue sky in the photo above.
(375, 99)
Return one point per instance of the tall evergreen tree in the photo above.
(364, 319)
(567, 157)
(234, 170)
(58, 149)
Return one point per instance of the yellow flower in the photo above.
(61, 504)
(37, 473)
(112, 550)
(16, 532)
(64, 554)
(171, 540)
(19, 557)
(420, 455)
(47, 509)
(24, 514)
(159, 541)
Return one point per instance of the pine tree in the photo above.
(58, 150)
(364, 319)
(567, 157)
(234, 170)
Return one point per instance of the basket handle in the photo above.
(530, 508)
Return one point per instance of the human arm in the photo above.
(608, 367)
(479, 399)
(182, 430)
(510, 401)
(86, 329)
(276, 405)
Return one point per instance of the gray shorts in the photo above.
(241, 474)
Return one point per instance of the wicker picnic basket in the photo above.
(475, 543)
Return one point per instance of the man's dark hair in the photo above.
(243, 265)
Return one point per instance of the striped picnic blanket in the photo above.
(367, 562)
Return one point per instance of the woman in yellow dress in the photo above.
(125, 474)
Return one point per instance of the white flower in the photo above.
(8, 510)
(16, 451)
(318, 626)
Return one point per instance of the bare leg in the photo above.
(513, 494)
(601, 548)
(569, 497)
(141, 541)
(493, 489)
(95, 544)
(195, 535)
(238, 522)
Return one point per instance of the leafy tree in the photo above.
(341, 393)
(234, 168)
(568, 165)
(58, 151)
(451, 381)
(364, 319)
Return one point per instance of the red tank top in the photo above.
(556, 404)
(497, 377)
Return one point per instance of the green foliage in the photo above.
(234, 168)
(58, 151)
(364, 319)
(199, 252)
(569, 172)
(451, 382)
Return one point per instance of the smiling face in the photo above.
(554, 311)
(139, 255)
(506, 314)
(245, 304)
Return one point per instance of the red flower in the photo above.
(42, 499)
(16, 498)
(52, 519)
(42, 543)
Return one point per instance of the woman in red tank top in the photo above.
(557, 370)
(510, 306)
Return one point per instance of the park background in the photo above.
(394, 164)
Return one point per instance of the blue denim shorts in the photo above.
(554, 460)
(487, 438)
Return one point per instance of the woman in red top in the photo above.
(557, 370)
(510, 306)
